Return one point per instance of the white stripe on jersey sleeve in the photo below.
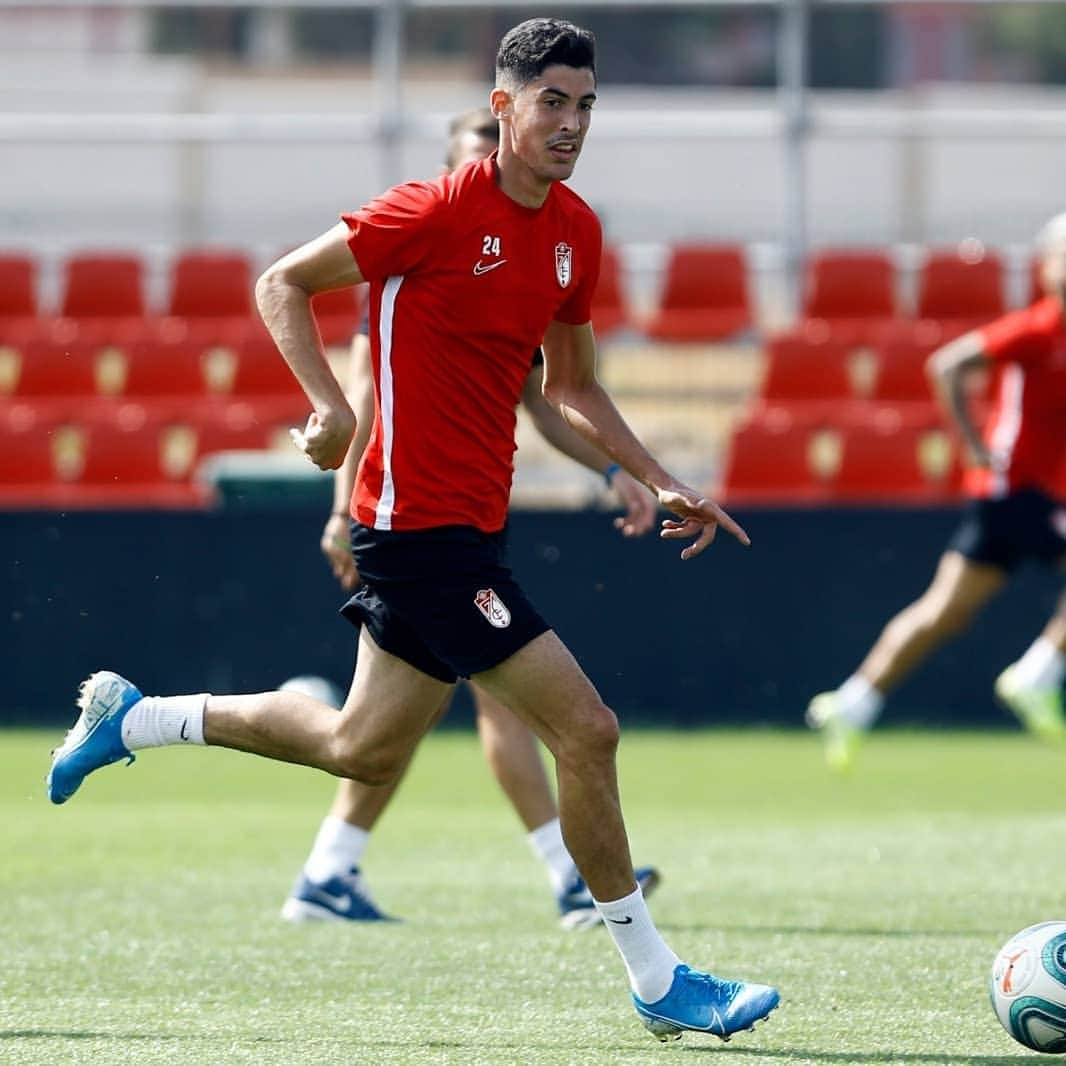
(387, 500)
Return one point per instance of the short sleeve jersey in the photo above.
(464, 282)
(1026, 432)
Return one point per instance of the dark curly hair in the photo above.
(531, 46)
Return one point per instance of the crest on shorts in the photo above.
(564, 258)
(491, 606)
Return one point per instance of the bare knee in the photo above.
(592, 736)
(368, 765)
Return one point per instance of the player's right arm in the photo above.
(948, 369)
(283, 295)
(360, 392)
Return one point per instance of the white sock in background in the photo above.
(1042, 666)
(159, 720)
(547, 844)
(338, 847)
(648, 960)
(860, 703)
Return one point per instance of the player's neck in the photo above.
(518, 181)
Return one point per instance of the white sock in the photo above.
(547, 844)
(649, 962)
(860, 702)
(159, 720)
(338, 847)
(1042, 666)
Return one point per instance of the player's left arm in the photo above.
(639, 504)
(571, 385)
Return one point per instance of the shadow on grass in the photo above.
(857, 1057)
(819, 930)
(88, 1034)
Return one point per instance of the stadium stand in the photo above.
(851, 292)
(705, 295)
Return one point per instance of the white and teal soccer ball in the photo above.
(1029, 987)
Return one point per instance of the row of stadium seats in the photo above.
(775, 457)
(118, 453)
(705, 294)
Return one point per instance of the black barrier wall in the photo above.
(239, 601)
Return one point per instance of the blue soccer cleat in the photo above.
(95, 739)
(577, 910)
(340, 899)
(706, 1004)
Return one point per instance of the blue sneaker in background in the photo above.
(95, 739)
(705, 1004)
(577, 910)
(340, 899)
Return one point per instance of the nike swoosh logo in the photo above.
(185, 729)
(340, 903)
(620, 921)
(481, 268)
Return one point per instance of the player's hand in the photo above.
(638, 503)
(699, 517)
(337, 550)
(325, 438)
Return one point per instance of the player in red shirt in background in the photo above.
(467, 275)
(331, 886)
(1015, 478)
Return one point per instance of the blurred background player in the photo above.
(1014, 516)
(331, 886)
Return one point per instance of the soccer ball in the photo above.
(318, 688)
(1028, 987)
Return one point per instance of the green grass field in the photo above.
(139, 923)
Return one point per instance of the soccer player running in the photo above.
(467, 274)
(332, 886)
(1016, 514)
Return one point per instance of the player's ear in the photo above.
(500, 101)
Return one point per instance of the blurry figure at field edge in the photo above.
(468, 274)
(1016, 514)
(331, 885)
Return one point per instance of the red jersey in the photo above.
(464, 282)
(1026, 433)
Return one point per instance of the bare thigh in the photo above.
(543, 685)
(390, 706)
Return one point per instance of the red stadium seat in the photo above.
(25, 451)
(800, 374)
(338, 313)
(705, 296)
(775, 459)
(850, 285)
(901, 376)
(889, 460)
(18, 287)
(103, 286)
(962, 287)
(46, 368)
(211, 284)
(609, 313)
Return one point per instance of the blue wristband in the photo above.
(608, 474)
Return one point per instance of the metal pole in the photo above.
(792, 91)
(388, 76)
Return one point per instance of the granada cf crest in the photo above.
(491, 606)
(564, 256)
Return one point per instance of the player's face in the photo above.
(1053, 271)
(548, 119)
(470, 147)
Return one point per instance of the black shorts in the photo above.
(1025, 526)
(441, 599)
